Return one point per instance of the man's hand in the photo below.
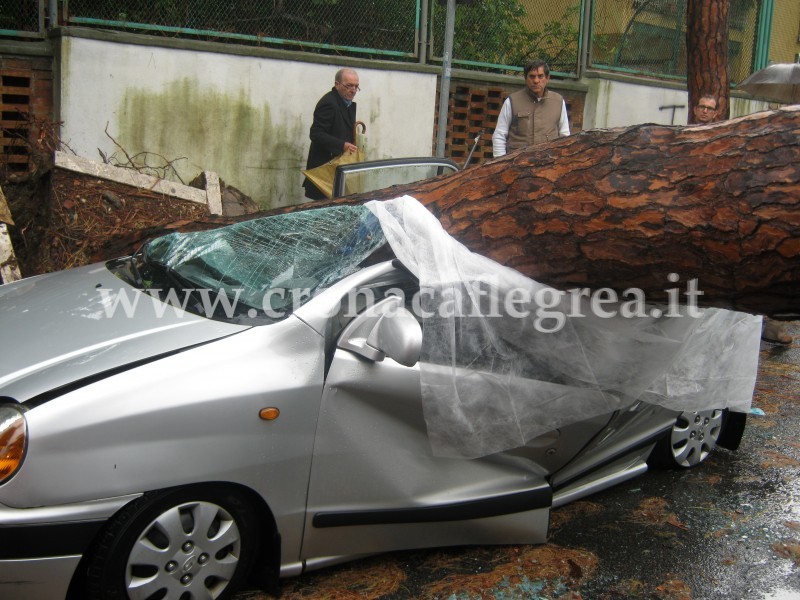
(348, 147)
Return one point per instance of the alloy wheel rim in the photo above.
(694, 436)
(190, 552)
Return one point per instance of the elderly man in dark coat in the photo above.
(333, 129)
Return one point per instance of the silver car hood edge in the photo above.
(59, 331)
(70, 386)
(82, 351)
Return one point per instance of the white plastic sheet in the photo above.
(498, 370)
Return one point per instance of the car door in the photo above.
(375, 484)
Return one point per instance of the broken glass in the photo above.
(271, 265)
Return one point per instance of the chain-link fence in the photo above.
(377, 27)
(785, 40)
(489, 34)
(637, 36)
(506, 34)
(22, 18)
(649, 36)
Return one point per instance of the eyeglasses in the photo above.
(706, 108)
(350, 86)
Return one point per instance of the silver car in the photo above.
(243, 405)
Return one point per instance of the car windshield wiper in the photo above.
(133, 264)
(175, 279)
(193, 299)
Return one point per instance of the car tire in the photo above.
(179, 543)
(691, 440)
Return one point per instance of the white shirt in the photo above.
(500, 135)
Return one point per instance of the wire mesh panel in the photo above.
(22, 18)
(649, 36)
(784, 45)
(742, 35)
(361, 26)
(506, 34)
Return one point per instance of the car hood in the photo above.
(61, 328)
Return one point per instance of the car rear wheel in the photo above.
(692, 439)
(182, 544)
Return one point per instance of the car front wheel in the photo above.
(692, 439)
(182, 543)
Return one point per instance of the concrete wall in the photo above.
(620, 101)
(245, 113)
(245, 117)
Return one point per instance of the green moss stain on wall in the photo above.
(374, 117)
(216, 131)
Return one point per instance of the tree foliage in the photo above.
(503, 32)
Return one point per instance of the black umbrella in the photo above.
(779, 82)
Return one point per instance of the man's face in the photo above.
(348, 86)
(705, 111)
(537, 81)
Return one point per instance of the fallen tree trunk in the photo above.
(627, 207)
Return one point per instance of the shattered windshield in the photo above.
(265, 267)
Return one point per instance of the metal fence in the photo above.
(649, 37)
(22, 18)
(372, 27)
(637, 36)
(506, 34)
(498, 35)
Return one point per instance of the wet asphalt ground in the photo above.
(729, 529)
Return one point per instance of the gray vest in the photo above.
(533, 121)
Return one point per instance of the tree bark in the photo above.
(626, 207)
(707, 54)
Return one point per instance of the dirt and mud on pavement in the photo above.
(729, 529)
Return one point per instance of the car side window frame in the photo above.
(339, 181)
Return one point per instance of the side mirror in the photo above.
(398, 336)
(385, 329)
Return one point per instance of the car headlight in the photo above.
(13, 440)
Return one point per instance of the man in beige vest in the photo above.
(532, 115)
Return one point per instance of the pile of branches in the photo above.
(61, 218)
(86, 212)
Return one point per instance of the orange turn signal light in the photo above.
(269, 414)
(13, 438)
